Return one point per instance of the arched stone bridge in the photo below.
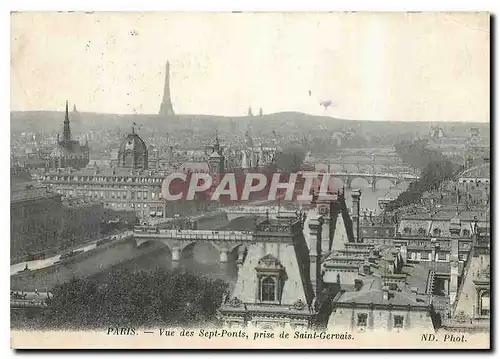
(371, 177)
(179, 241)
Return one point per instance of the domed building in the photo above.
(68, 152)
(133, 152)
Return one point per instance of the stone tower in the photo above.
(166, 108)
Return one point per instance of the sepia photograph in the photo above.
(269, 180)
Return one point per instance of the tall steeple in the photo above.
(67, 129)
(166, 108)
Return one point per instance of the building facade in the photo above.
(273, 288)
(36, 218)
(130, 186)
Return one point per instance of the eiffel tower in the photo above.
(166, 108)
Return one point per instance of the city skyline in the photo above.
(445, 76)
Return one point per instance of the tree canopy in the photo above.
(290, 159)
(436, 169)
(136, 299)
(416, 155)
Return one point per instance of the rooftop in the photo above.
(29, 191)
(108, 172)
(372, 292)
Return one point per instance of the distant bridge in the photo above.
(361, 160)
(370, 177)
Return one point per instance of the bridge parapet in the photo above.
(405, 175)
(258, 210)
(196, 235)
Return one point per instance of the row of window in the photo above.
(109, 186)
(137, 206)
(362, 322)
(427, 256)
(435, 232)
(378, 232)
(112, 194)
(104, 179)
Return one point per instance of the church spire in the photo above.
(166, 108)
(217, 142)
(67, 129)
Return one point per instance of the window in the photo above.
(485, 303)
(407, 230)
(421, 231)
(398, 321)
(362, 319)
(270, 275)
(268, 290)
(465, 232)
(441, 256)
(436, 232)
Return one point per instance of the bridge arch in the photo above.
(359, 182)
(188, 245)
(337, 182)
(145, 242)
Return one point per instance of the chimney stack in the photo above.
(453, 270)
(385, 292)
(404, 253)
(358, 284)
(315, 225)
(356, 195)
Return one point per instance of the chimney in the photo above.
(356, 195)
(315, 225)
(404, 253)
(435, 246)
(367, 267)
(385, 292)
(390, 265)
(358, 284)
(453, 270)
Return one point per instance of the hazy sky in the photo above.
(431, 67)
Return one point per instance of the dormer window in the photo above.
(421, 231)
(268, 290)
(485, 304)
(407, 230)
(436, 232)
(271, 278)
